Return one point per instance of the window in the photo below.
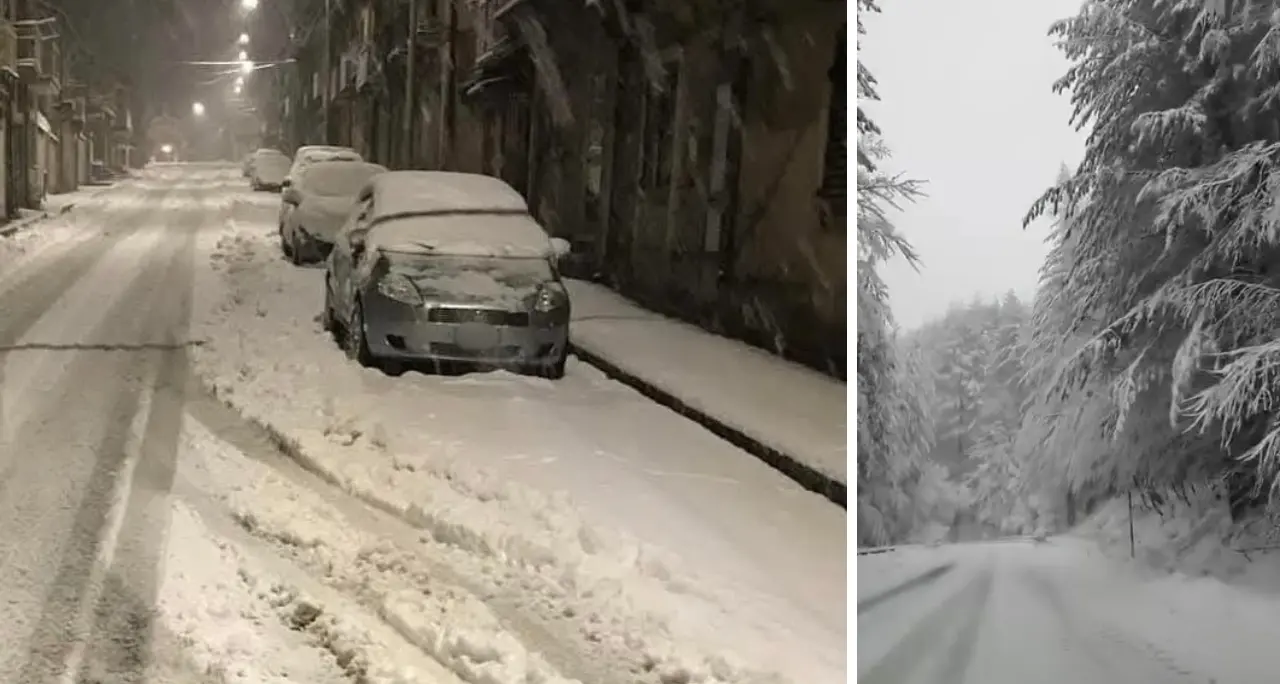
(659, 122)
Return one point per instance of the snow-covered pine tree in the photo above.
(1157, 321)
(976, 351)
(892, 426)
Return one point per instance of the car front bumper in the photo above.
(399, 331)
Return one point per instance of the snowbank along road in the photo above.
(197, 486)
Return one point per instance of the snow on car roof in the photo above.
(315, 153)
(329, 176)
(480, 235)
(272, 161)
(426, 192)
(312, 148)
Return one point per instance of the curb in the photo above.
(921, 579)
(802, 474)
(9, 229)
(13, 227)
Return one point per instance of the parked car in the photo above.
(269, 169)
(321, 195)
(444, 267)
(246, 166)
(308, 155)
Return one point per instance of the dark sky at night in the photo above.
(148, 41)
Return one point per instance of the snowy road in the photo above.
(196, 486)
(1055, 612)
(94, 338)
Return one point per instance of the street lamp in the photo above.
(246, 66)
(249, 5)
(243, 55)
(166, 148)
(197, 108)
(244, 39)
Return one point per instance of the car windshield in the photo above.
(338, 179)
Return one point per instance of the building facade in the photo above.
(692, 151)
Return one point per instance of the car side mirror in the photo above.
(286, 183)
(291, 195)
(560, 247)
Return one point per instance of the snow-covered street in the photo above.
(197, 485)
(1058, 611)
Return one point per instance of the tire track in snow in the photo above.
(1109, 648)
(56, 638)
(27, 299)
(54, 635)
(120, 645)
(948, 633)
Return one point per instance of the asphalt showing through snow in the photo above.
(93, 369)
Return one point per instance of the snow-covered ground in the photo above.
(785, 406)
(623, 542)
(1060, 611)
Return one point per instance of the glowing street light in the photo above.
(166, 148)
(243, 55)
(249, 5)
(246, 66)
(244, 39)
(197, 108)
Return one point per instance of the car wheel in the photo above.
(326, 316)
(356, 345)
(555, 369)
(295, 249)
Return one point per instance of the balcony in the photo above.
(353, 71)
(124, 122)
(39, 57)
(8, 47)
(74, 109)
(101, 107)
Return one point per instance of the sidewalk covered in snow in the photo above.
(786, 407)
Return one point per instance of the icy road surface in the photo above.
(1014, 612)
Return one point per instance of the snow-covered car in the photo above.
(268, 170)
(437, 267)
(246, 166)
(321, 195)
(308, 155)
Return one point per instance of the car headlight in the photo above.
(399, 288)
(550, 298)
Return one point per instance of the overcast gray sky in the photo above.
(967, 105)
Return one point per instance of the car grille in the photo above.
(510, 351)
(517, 319)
